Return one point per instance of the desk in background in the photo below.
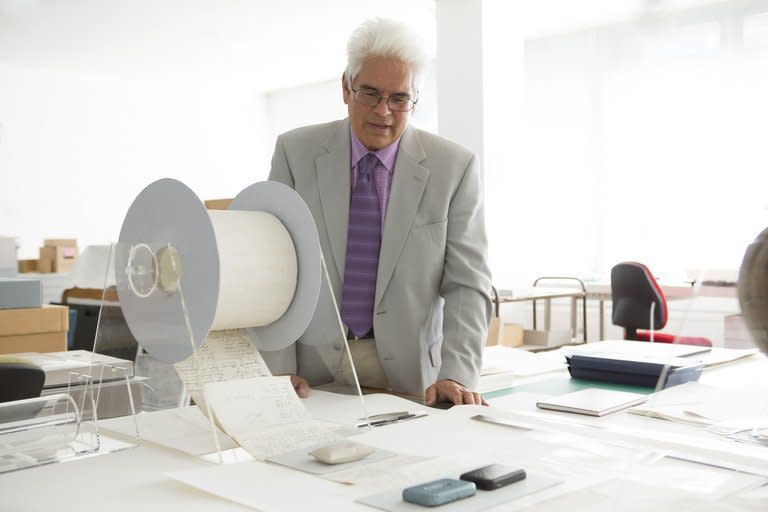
(547, 294)
(601, 291)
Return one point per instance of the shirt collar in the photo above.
(386, 156)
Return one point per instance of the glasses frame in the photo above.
(385, 98)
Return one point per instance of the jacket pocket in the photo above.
(434, 232)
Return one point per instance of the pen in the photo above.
(385, 419)
(499, 421)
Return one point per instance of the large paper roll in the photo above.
(284, 203)
(257, 268)
(256, 265)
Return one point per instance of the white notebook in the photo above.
(593, 401)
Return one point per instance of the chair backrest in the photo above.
(633, 290)
(19, 379)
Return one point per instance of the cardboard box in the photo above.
(61, 242)
(28, 266)
(507, 335)
(48, 318)
(495, 332)
(20, 293)
(512, 336)
(218, 204)
(40, 342)
(551, 338)
(47, 261)
(57, 255)
(34, 329)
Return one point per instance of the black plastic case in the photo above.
(494, 476)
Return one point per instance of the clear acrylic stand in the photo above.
(170, 297)
(44, 430)
(64, 426)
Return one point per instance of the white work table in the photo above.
(610, 463)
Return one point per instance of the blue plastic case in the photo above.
(439, 492)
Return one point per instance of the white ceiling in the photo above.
(270, 44)
(274, 44)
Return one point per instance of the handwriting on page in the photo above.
(286, 438)
(225, 355)
(266, 417)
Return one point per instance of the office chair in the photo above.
(19, 378)
(636, 295)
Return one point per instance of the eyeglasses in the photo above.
(372, 97)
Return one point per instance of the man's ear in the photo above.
(345, 88)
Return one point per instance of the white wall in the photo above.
(76, 148)
(99, 98)
(627, 133)
(320, 102)
(307, 104)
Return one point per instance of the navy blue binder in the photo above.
(634, 371)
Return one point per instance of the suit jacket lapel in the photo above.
(408, 184)
(333, 180)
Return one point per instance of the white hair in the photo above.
(385, 38)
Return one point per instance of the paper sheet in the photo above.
(698, 478)
(405, 470)
(698, 404)
(184, 429)
(225, 355)
(518, 362)
(626, 496)
(303, 461)
(347, 409)
(266, 417)
(271, 487)
(643, 349)
(720, 355)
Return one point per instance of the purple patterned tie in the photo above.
(363, 243)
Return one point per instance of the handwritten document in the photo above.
(266, 417)
(225, 355)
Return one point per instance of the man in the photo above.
(399, 212)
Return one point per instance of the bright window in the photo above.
(640, 139)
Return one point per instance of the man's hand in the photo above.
(452, 391)
(300, 385)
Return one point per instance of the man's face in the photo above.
(378, 127)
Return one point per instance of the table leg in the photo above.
(573, 317)
(602, 320)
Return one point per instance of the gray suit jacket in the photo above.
(432, 304)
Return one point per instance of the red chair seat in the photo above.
(635, 294)
(663, 337)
